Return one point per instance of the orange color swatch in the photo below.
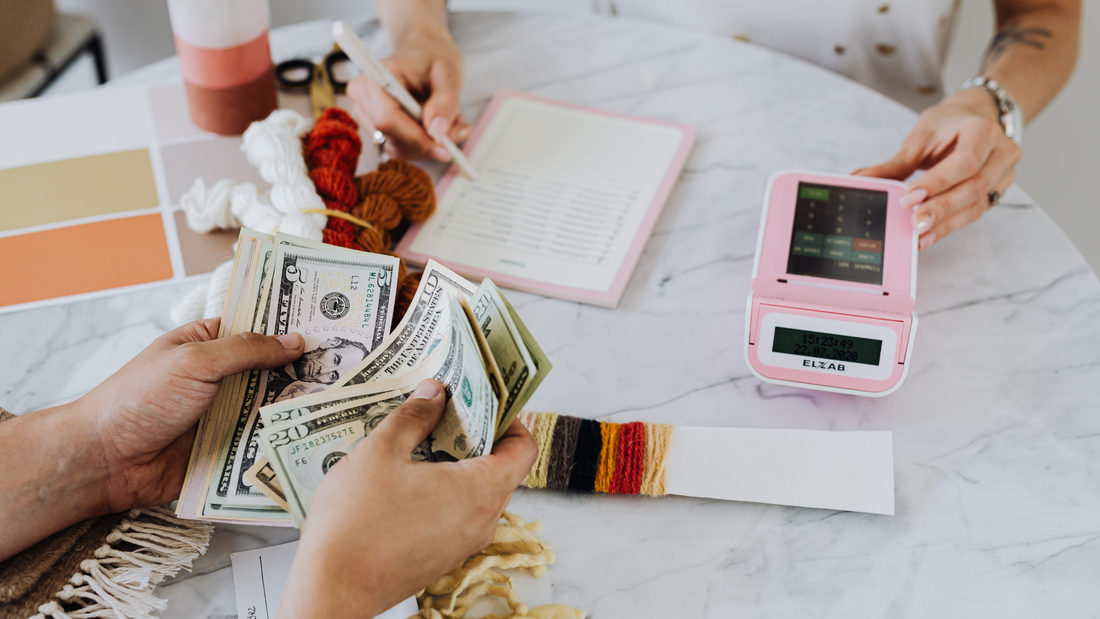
(85, 258)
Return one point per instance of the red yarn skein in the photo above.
(334, 142)
(398, 191)
(332, 151)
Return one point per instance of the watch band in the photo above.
(1009, 115)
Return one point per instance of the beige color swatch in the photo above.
(58, 191)
(202, 253)
(211, 160)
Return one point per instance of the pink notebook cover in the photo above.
(605, 298)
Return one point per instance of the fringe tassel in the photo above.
(119, 584)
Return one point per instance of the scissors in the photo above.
(316, 78)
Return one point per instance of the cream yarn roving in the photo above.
(274, 147)
(202, 207)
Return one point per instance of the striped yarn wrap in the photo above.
(591, 456)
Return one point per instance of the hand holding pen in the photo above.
(431, 68)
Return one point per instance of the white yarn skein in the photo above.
(296, 198)
(274, 147)
(208, 210)
(253, 210)
(205, 301)
(306, 225)
(276, 137)
(217, 289)
(189, 307)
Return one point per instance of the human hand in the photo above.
(967, 155)
(143, 417)
(382, 527)
(430, 68)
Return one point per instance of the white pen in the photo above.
(368, 63)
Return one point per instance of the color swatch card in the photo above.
(565, 200)
(90, 187)
(89, 193)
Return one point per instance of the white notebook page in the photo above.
(559, 197)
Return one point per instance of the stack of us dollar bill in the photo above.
(270, 436)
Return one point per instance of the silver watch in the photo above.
(1010, 118)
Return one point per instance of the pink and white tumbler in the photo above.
(226, 61)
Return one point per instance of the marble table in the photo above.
(996, 431)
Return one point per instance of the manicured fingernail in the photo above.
(913, 198)
(856, 172)
(426, 390)
(463, 133)
(927, 240)
(438, 128)
(923, 222)
(441, 153)
(290, 341)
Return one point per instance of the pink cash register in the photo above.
(833, 285)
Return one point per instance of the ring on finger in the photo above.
(994, 197)
(379, 140)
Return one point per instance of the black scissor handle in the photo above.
(333, 59)
(286, 73)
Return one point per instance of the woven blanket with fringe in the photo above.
(108, 566)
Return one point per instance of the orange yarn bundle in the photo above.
(397, 193)
(398, 189)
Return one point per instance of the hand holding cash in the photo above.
(406, 522)
(124, 444)
(272, 436)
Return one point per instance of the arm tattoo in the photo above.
(1013, 35)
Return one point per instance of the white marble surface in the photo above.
(996, 431)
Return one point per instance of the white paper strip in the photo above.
(259, 577)
(849, 471)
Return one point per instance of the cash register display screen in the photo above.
(826, 346)
(839, 233)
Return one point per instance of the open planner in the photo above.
(564, 202)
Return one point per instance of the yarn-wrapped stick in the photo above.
(589, 456)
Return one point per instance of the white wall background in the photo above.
(1060, 166)
(1061, 151)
